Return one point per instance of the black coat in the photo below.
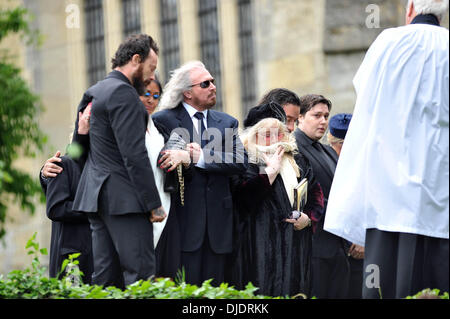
(117, 172)
(325, 244)
(269, 252)
(208, 205)
(71, 231)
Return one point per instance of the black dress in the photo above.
(268, 251)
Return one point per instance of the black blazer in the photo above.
(325, 244)
(117, 174)
(324, 175)
(208, 203)
(71, 231)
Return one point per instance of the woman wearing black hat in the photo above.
(273, 249)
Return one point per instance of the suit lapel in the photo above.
(185, 121)
(308, 148)
(314, 153)
(213, 120)
(331, 153)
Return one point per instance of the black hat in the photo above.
(339, 124)
(263, 111)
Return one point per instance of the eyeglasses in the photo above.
(204, 84)
(155, 96)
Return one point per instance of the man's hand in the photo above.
(195, 151)
(50, 169)
(157, 215)
(356, 251)
(83, 120)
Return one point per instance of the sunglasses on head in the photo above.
(204, 84)
(155, 96)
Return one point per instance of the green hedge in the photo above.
(32, 283)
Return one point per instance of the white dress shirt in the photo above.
(191, 110)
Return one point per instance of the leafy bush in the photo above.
(32, 283)
(429, 294)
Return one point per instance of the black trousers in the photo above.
(203, 264)
(356, 278)
(405, 263)
(122, 248)
(330, 277)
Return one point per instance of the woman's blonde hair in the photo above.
(333, 139)
(249, 135)
(248, 138)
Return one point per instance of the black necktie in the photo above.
(200, 127)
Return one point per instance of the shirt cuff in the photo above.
(201, 161)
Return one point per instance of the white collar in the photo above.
(191, 110)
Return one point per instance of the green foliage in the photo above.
(74, 150)
(16, 20)
(19, 131)
(429, 294)
(31, 283)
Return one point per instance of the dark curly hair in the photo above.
(134, 44)
(308, 101)
(280, 96)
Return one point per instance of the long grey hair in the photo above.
(180, 82)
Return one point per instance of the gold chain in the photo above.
(181, 181)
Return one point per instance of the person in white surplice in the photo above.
(390, 191)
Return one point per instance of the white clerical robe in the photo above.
(393, 171)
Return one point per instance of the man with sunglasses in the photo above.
(206, 219)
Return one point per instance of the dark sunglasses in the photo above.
(204, 84)
(155, 96)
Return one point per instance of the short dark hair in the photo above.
(280, 96)
(308, 101)
(135, 44)
(142, 89)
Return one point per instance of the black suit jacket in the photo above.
(325, 244)
(324, 175)
(117, 173)
(71, 231)
(208, 203)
